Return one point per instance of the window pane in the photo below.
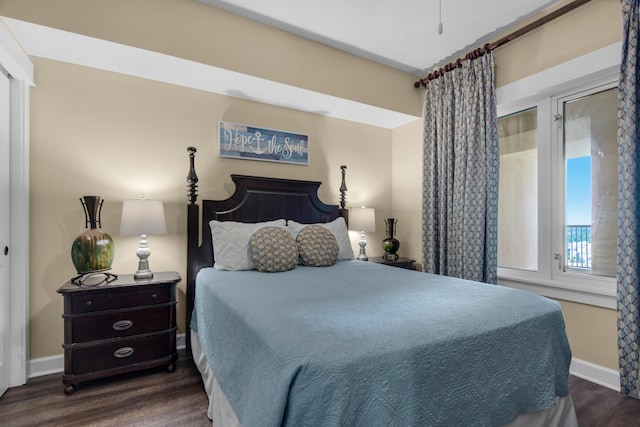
(518, 191)
(591, 183)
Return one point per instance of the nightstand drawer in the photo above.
(99, 301)
(120, 323)
(120, 353)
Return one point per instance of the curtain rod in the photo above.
(504, 40)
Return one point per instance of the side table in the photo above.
(121, 326)
(400, 262)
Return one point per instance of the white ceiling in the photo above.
(400, 33)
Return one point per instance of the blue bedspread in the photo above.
(361, 344)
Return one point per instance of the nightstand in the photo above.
(400, 262)
(121, 326)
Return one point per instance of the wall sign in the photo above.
(253, 143)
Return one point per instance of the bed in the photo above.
(348, 342)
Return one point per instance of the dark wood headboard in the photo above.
(255, 199)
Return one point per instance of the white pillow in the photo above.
(231, 249)
(339, 230)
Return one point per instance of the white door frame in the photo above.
(5, 230)
(14, 60)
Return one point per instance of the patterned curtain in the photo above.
(461, 155)
(628, 206)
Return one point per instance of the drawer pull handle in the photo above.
(154, 295)
(122, 325)
(123, 352)
(89, 302)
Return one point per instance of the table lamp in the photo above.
(362, 220)
(141, 217)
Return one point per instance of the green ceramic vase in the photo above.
(92, 250)
(390, 244)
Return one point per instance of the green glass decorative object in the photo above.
(92, 251)
(390, 244)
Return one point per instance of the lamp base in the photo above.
(363, 242)
(143, 253)
(142, 275)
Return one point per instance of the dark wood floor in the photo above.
(153, 397)
(158, 398)
(598, 406)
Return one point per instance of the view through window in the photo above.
(591, 168)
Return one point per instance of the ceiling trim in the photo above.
(50, 43)
(13, 58)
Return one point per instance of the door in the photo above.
(5, 335)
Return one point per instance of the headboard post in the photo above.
(344, 212)
(193, 232)
(192, 177)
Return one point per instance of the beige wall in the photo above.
(589, 27)
(593, 333)
(591, 330)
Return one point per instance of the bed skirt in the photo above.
(222, 415)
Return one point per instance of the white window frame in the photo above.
(541, 90)
(598, 283)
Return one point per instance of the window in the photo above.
(588, 128)
(557, 209)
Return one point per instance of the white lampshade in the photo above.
(142, 217)
(139, 218)
(363, 219)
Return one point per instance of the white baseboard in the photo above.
(55, 364)
(595, 373)
(45, 366)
